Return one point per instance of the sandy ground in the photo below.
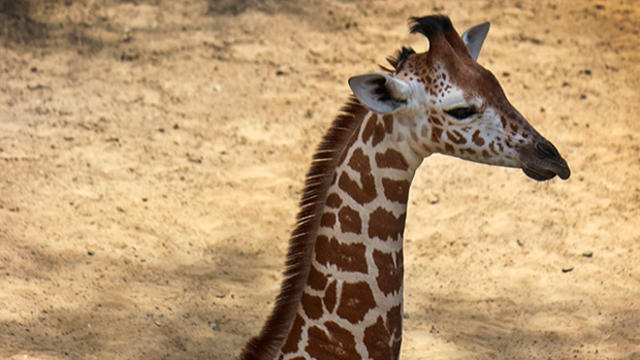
(152, 155)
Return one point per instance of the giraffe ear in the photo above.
(474, 38)
(380, 92)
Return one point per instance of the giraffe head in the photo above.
(452, 105)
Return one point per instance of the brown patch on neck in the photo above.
(302, 242)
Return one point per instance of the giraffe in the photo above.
(343, 288)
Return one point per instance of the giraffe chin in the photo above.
(540, 174)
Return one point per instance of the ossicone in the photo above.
(430, 26)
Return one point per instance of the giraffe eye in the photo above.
(463, 112)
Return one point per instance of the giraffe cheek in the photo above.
(436, 134)
(436, 120)
(449, 149)
(477, 138)
(456, 137)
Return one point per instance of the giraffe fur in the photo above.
(342, 297)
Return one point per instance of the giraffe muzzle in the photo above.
(545, 162)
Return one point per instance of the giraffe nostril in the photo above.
(547, 150)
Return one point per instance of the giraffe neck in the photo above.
(351, 303)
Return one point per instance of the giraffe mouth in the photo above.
(541, 174)
(546, 163)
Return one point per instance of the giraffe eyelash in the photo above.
(462, 112)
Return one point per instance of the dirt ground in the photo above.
(152, 154)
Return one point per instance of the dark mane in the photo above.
(432, 25)
(302, 241)
(397, 60)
